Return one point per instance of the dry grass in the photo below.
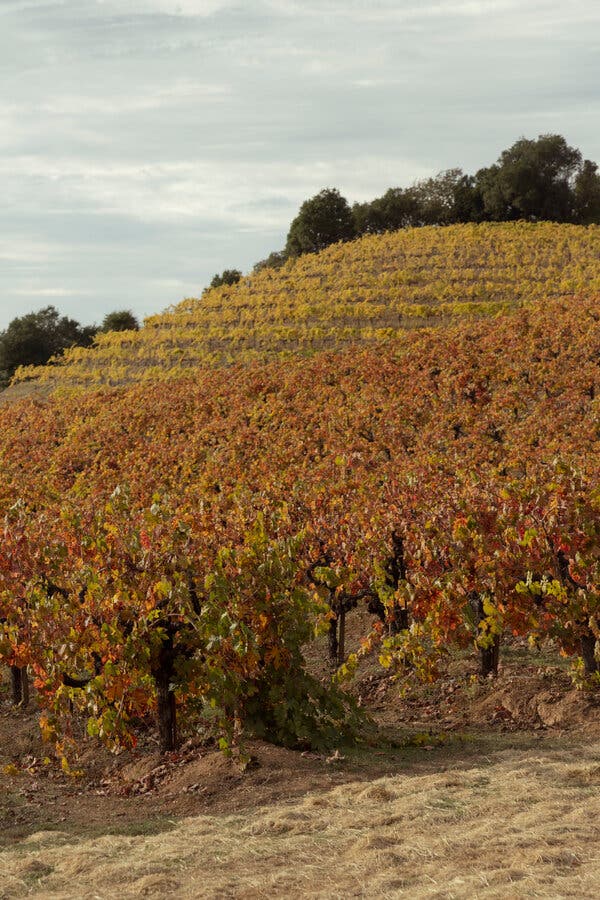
(518, 823)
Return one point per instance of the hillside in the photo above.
(183, 570)
(375, 288)
(267, 498)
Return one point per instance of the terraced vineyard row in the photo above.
(368, 290)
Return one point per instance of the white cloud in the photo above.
(168, 193)
(201, 8)
(179, 93)
(51, 292)
(147, 143)
(25, 250)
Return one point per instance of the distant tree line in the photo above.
(536, 180)
(35, 338)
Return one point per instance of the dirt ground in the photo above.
(471, 789)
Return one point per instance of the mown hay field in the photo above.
(513, 823)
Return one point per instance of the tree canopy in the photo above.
(274, 260)
(227, 276)
(34, 338)
(586, 189)
(120, 320)
(323, 220)
(541, 179)
(532, 180)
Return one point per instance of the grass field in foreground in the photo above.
(511, 822)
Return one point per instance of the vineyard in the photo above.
(338, 543)
(177, 551)
(370, 290)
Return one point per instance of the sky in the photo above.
(147, 144)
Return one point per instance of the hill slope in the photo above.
(466, 458)
(377, 287)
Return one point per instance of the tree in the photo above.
(543, 179)
(34, 338)
(120, 320)
(531, 180)
(450, 196)
(397, 208)
(323, 220)
(467, 202)
(274, 260)
(227, 276)
(587, 194)
(434, 198)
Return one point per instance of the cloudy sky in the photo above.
(147, 144)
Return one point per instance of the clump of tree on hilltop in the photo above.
(227, 276)
(33, 339)
(535, 180)
(120, 320)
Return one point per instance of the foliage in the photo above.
(379, 287)
(35, 338)
(532, 180)
(445, 199)
(541, 179)
(323, 220)
(172, 552)
(586, 191)
(120, 320)
(227, 277)
(274, 260)
(397, 208)
(449, 197)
